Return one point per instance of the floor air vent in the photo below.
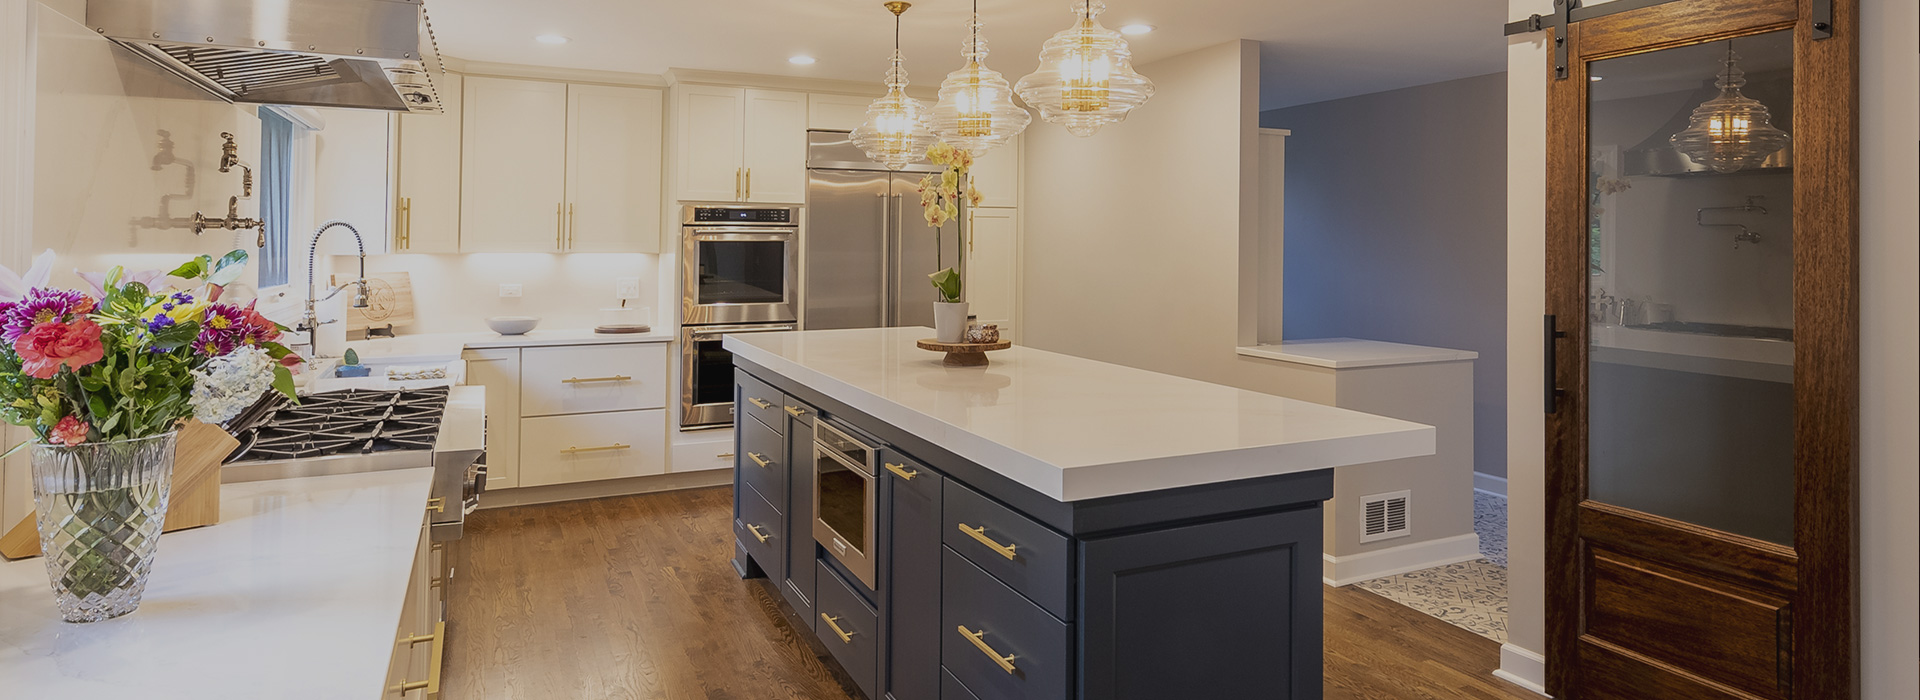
(1384, 516)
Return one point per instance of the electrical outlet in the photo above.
(510, 291)
(626, 288)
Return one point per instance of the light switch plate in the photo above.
(626, 288)
(510, 291)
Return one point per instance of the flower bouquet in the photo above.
(103, 378)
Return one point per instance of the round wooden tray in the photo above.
(964, 354)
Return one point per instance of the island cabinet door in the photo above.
(1249, 588)
(910, 583)
(798, 585)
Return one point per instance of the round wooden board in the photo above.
(963, 354)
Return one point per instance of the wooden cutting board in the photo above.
(389, 301)
(194, 498)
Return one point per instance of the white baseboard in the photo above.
(1354, 568)
(1490, 484)
(1523, 668)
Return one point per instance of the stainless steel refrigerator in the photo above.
(868, 248)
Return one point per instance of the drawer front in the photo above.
(983, 623)
(763, 461)
(1023, 554)
(592, 379)
(848, 627)
(910, 664)
(758, 399)
(705, 455)
(952, 689)
(802, 552)
(761, 530)
(569, 449)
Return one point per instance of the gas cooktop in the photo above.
(356, 421)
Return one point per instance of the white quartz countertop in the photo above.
(449, 345)
(1073, 428)
(296, 594)
(1347, 353)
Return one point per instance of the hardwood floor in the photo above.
(634, 597)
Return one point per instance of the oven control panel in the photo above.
(779, 215)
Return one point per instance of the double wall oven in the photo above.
(738, 275)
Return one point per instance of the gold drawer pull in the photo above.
(763, 403)
(437, 504)
(757, 459)
(902, 471)
(724, 455)
(980, 533)
(794, 411)
(845, 636)
(602, 448)
(585, 380)
(439, 655)
(755, 529)
(1005, 662)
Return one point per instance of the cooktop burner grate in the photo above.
(355, 421)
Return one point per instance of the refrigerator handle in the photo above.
(899, 256)
(886, 252)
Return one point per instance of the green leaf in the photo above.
(228, 269)
(108, 425)
(283, 382)
(113, 278)
(193, 269)
(174, 336)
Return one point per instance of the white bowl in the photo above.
(512, 325)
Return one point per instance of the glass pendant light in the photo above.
(1086, 77)
(1731, 132)
(976, 110)
(897, 130)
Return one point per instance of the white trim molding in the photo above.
(1490, 484)
(1365, 566)
(1524, 668)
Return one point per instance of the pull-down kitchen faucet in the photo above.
(310, 322)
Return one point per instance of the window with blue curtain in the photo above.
(276, 195)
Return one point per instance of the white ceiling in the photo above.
(1312, 50)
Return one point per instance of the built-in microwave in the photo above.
(845, 493)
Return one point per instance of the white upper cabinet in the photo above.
(427, 208)
(836, 112)
(353, 157)
(998, 172)
(514, 166)
(741, 145)
(613, 169)
(992, 288)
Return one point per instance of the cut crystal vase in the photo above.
(100, 506)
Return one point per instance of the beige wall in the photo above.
(1890, 341)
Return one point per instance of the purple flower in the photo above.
(41, 306)
(214, 344)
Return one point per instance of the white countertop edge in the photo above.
(1350, 353)
(537, 338)
(1098, 481)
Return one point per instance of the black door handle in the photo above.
(1554, 392)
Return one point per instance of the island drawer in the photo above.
(952, 689)
(996, 642)
(762, 459)
(849, 628)
(592, 379)
(761, 529)
(1025, 555)
(761, 401)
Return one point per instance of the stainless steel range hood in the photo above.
(365, 54)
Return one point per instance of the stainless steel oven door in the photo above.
(739, 274)
(844, 496)
(706, 373)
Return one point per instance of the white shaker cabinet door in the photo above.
(427, 216)
(613, 169)
(992, 289)
(709, 122)
(499, 371)
(836, 112)
(514, 169)
(998, 174)
(776, 147)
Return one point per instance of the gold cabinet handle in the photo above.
(755, 529)
(763, 403)
(905, 474)
(794, 411)
(403, 225)
(757, 459)
(437, 504)
(437, 659)
(569, 226)
(736, 184)
(845, 636)
(602, 448)
(560, 226)
(588, 380)
(724, 455)
(980, 533)
(1005, 662)
(749, 184)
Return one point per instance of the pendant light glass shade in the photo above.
(1730, 132)
(898, 130)
(1086, 77)
(976, 110)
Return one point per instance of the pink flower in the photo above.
(71, 431)
(49, 346)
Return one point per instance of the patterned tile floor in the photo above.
(1471, 595)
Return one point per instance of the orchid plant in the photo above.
(941, 192)
(133, 356)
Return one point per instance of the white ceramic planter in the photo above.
(949, 321)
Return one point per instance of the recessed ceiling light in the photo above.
(801, 60)
(1136, 29)
(554, 39)
(1594, 78)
